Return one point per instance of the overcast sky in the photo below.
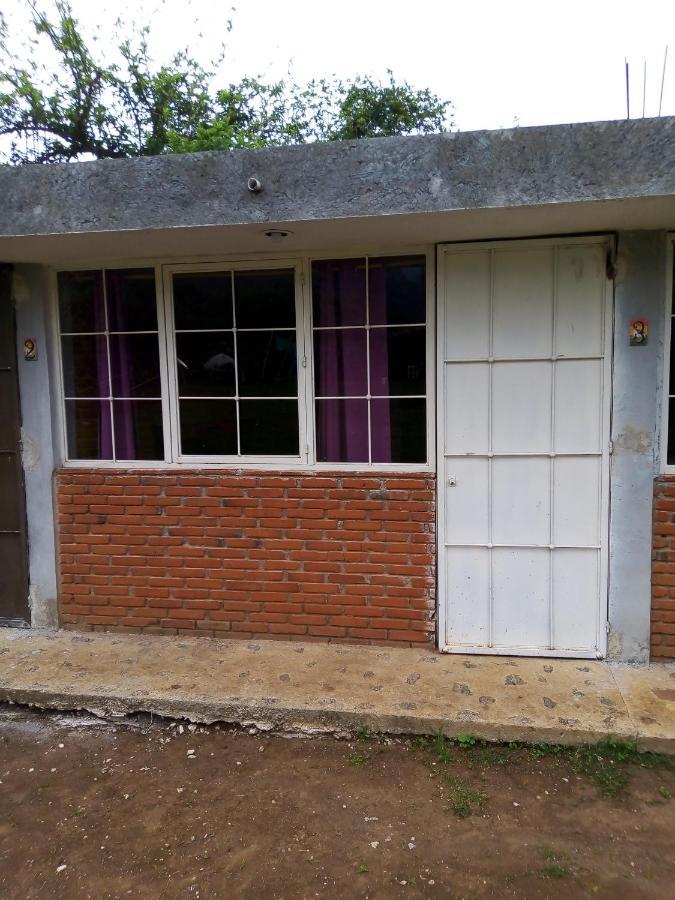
(501, 62)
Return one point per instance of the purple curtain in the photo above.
(380, 435)
(339, 290)
(121, 365)
(102, 375)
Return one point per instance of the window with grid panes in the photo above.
(236, 363)
(370, 358)
(111, 364)
(232, 368)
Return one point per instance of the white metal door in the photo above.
(524, 366)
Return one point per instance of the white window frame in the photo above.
(56, 347)
(665, 468)
(302, 264)
(240, 459)
(430, 326)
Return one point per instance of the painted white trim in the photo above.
(197, 461)
(664, 467)
(600, 649)
(497, 650)
(57, 374)
(228, 260)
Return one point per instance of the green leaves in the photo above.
(78, 105)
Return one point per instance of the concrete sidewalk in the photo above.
(327, 687)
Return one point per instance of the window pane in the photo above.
(397, 290)
(81, 301)
(339, 292)
(202, 301)
(340, 363)
(398, 361)
(85, 366)
(265, 299)
(205, 364)
(138, 429)
(342, 430)
(269, 427)
(131, 299)
(398, 431)
(267, 363)
(208, 427)
(134, 365)
(88, 429)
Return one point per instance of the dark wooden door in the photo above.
(13, 544)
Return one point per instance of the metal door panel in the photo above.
(469, 336)
(467, 393)
(520, 500)
(578, 406)
(580, 280)
(521, 407)
(468, 595)
(522, 304)
(576, 492)
(520, 601)
(524, 365)
(467, 518)
(575, 574)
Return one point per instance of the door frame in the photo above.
(602, 624)
(11, 371)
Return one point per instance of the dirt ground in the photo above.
(141, 810)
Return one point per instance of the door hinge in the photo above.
(610, 447)
(607, 627)
(304, 362)
(302, 279)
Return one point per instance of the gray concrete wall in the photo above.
(640, 293)
(516, 167)
(36, 386)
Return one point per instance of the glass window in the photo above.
(236, 363)
(369, 324)
(111, 367)
(235, 339)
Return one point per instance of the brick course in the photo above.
(332, 557)
(663, 569)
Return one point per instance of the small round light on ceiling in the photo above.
(277, 234)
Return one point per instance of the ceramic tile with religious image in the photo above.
(638, 332)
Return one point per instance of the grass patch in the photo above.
(553, 870)
(464, 800)
(607, 764)
(358, 759)
(363, 734)
(553, 867)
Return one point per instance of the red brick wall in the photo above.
(305, 556)
(663, 569)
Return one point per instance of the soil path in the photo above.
(95, 811)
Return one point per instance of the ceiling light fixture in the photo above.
(277, 234)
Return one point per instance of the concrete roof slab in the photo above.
(313, 183)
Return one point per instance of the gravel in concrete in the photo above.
(328, 687)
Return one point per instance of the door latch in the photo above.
(452, 480)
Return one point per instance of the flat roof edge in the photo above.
(514, 168)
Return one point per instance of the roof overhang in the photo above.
(405, 191)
